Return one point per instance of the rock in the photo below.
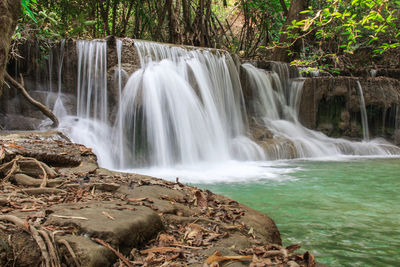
(336, 100)
(20, 248)
(9, 13)
(123, 229)
(397, 137)
(89, 253)
(84, 167)
(293, 264)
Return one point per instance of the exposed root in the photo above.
(26, 180)
(19, 163)
(119, 255)
(38, 191)
(31, 230)
(13, 169)
(70, 250)
(54, 258)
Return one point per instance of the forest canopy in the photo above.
(304, 32)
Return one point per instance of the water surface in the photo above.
(345, 212)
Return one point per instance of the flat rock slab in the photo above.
(89, 253)
(120, 225)
(52, 148)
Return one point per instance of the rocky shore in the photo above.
(59, 208)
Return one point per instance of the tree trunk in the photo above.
(9, 13)
(281, 53)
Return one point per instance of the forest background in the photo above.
(325, 34)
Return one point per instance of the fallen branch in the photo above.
(47, 112)
(70, 217)
(119, 255)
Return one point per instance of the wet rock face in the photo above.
(9, 12)
(332, 105)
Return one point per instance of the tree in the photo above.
(9, 13)
(289, 41)
(340, 27)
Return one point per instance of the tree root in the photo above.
(14, 166)
(26, 180)
(31, 230)
(20, 86)
(70, 250)
(54, 258)
(44, 190)
(117, 253)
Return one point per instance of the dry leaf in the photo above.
(165, 239)
(12, 145)
(2, 154)
(192, 231)
(27, 226)
(140, 199)
(309, 259)
(292, 248)
(201, 200)
(160, 250)
(216, 257)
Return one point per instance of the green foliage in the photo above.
(26, 7)
(351, 24)
(328, 28)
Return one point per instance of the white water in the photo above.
(182, 115)
(364, 119)
(278, 109)
(182, 107)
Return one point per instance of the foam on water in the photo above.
(222, 172)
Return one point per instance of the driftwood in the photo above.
(47, 112)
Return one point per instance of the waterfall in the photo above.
(363, 110)
(120, 118)
(182, 107)
(59, 108)
(185, 107)
(90, 125)
(277, 105)
(92, 80)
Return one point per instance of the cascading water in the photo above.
(278, 109)
(90, 125)
(182, 107)
(364, 119)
